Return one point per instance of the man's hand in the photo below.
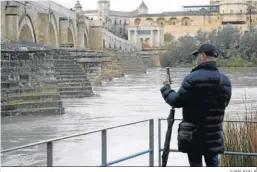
(165, 82)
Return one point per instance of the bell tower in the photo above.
(103, 9)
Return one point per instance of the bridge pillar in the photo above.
(11, 22)
(81, 41)
(64, 24)
(80, 38)
(3, 19)
(43, 30)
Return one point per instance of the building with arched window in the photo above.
(189, 20)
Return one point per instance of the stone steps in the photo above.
(70, 73)
(69, 89)
(31, 105)
(13, 62)
(61, 77)
(41, 111)
(30, 98)
(74, 84)
(75, 94)
(71, 77)
(68, 70)
(20, 90)
(63, 57)
(67, 66)
(7, 69)
(64, 62)
(81, 80)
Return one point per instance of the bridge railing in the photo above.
(50, 143)
(160, 149)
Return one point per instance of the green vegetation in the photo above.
(45, 90)
(241, 137)
(168, 38)
(13, 102)
(236, 49)
(98, 81)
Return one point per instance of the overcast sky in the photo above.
(154, 6)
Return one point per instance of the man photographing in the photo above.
(204, 95)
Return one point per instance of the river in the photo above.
(120, 101)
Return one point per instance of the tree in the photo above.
(230, 42)
(168, 38)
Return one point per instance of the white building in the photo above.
(115, 21)
(146, 35)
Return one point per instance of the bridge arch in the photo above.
(53, 28)
(86, 37)
(26, 30)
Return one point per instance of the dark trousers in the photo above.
(195, 160)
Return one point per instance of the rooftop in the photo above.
(142, 6)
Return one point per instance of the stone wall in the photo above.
(111, 65)
(131, 62)
(148, 59)
(28, 83)
(91, 63)
(121, 62)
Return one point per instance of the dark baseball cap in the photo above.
(208, 49)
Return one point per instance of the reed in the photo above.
(241, 137)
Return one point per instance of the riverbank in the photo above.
(233, 62)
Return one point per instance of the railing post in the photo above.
(159, 142)
(49, 154)
(104, 148)
(151, 142)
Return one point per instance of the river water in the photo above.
(120, 101)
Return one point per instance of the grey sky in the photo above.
(154, 6)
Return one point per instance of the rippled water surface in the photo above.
(120, 101)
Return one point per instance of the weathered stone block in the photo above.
(29, 83)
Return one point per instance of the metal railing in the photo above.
(160, 150)
(49, 147)
(49, 143)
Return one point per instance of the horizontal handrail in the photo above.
(226, 153)
(67, 137)
(128, 157)
(239, 121)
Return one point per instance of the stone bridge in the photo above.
(44, 22)
(48, 23)
(50, 53)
